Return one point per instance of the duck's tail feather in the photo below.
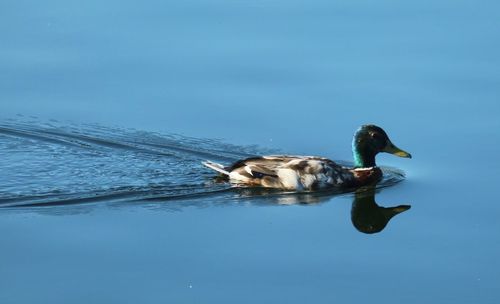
(215, 166)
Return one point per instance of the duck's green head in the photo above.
(368, 141)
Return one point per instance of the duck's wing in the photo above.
(284, 171)
(257, 171)
(269, 165)
(258, 166)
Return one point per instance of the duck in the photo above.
(312, 173)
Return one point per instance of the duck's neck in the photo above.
(363, 158)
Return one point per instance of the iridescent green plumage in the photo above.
(368, 141)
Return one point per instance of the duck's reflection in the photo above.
(366, 215)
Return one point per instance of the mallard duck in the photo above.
(308, 173)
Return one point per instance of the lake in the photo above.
(108, 109)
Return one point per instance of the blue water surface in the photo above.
(108, 108)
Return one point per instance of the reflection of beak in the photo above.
(391, 148)
(399, 209)
(393, 211)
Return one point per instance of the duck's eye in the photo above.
(376, 136)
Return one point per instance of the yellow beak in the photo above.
(391, 148)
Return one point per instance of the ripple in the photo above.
(52, 164)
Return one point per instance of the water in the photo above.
(107, 109)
